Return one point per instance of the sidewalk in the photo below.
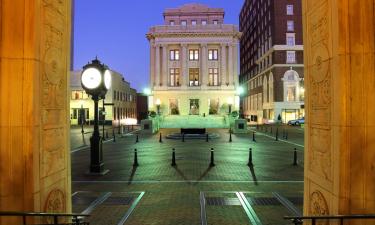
(172, 195)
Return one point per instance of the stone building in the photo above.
(271, 60)
(120, 94)
(194, 62)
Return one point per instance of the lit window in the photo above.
(171, 22)
(213, 54)
(204, 22)
(174, 77)
(193, 22)
(174, 55)
(193, 77)
(290, 56)
(183, 22)
(194, 54)
(216, 22)
(290, 25)
(289, 9)
(290, 39)
(213, 77)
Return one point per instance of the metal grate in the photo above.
(83, 200)
(118, 201)
(222, 201)
(263, 201)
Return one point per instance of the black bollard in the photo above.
(271, 130)
(212, 163)
(295, 157)
(135, 158)
(250, 163)
(183, 137)
(286, 135)
(277, 134)
(160, 140)
(206, 137)
(230, 136)
(137, 139)
(266, 129)
(114, 135)
(257, 127)
(106, 134)
(254, 136)
(173, 157)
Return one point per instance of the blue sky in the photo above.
(114, 30)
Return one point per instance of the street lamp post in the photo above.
(240, 91)
(96, 81)
(82, 115)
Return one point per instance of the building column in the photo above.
(152, 63)
(340, 123)
(204, 70)
(164, 64)
(187, 66)
(223, 75)
(157, 66)
(34, 107)
(230, 65)
(184, 57)
(235, 64)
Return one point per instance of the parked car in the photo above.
(297, 122)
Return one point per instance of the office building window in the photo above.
(289, 9)
(174, 55)
(215, 22)
(193, 54)
(213, 54)
(290, 56)
(171, 22)
(204, 22)
(213, 77)
(290, 25)
(174, 77)
(193, 22)
(194, 77)
(290, 39)
(183, 22)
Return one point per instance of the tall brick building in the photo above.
(271, 60)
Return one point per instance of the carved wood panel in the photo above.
(320, 92)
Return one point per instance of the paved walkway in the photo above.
(191, 192)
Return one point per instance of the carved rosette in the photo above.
(318, 206)
(55, 203)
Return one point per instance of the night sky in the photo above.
(114, 30)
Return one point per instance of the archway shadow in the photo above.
(253, 175)
(132, 174)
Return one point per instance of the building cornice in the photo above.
(186, 34)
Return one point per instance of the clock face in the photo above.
(91, 78)
(107, 79)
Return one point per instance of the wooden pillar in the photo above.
(34, 113)
(340, 107)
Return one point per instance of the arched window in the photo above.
(291, 86)
(265, 90)
(270, 89)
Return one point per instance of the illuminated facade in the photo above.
(193, 59)
(271, 60)
(120, 94)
